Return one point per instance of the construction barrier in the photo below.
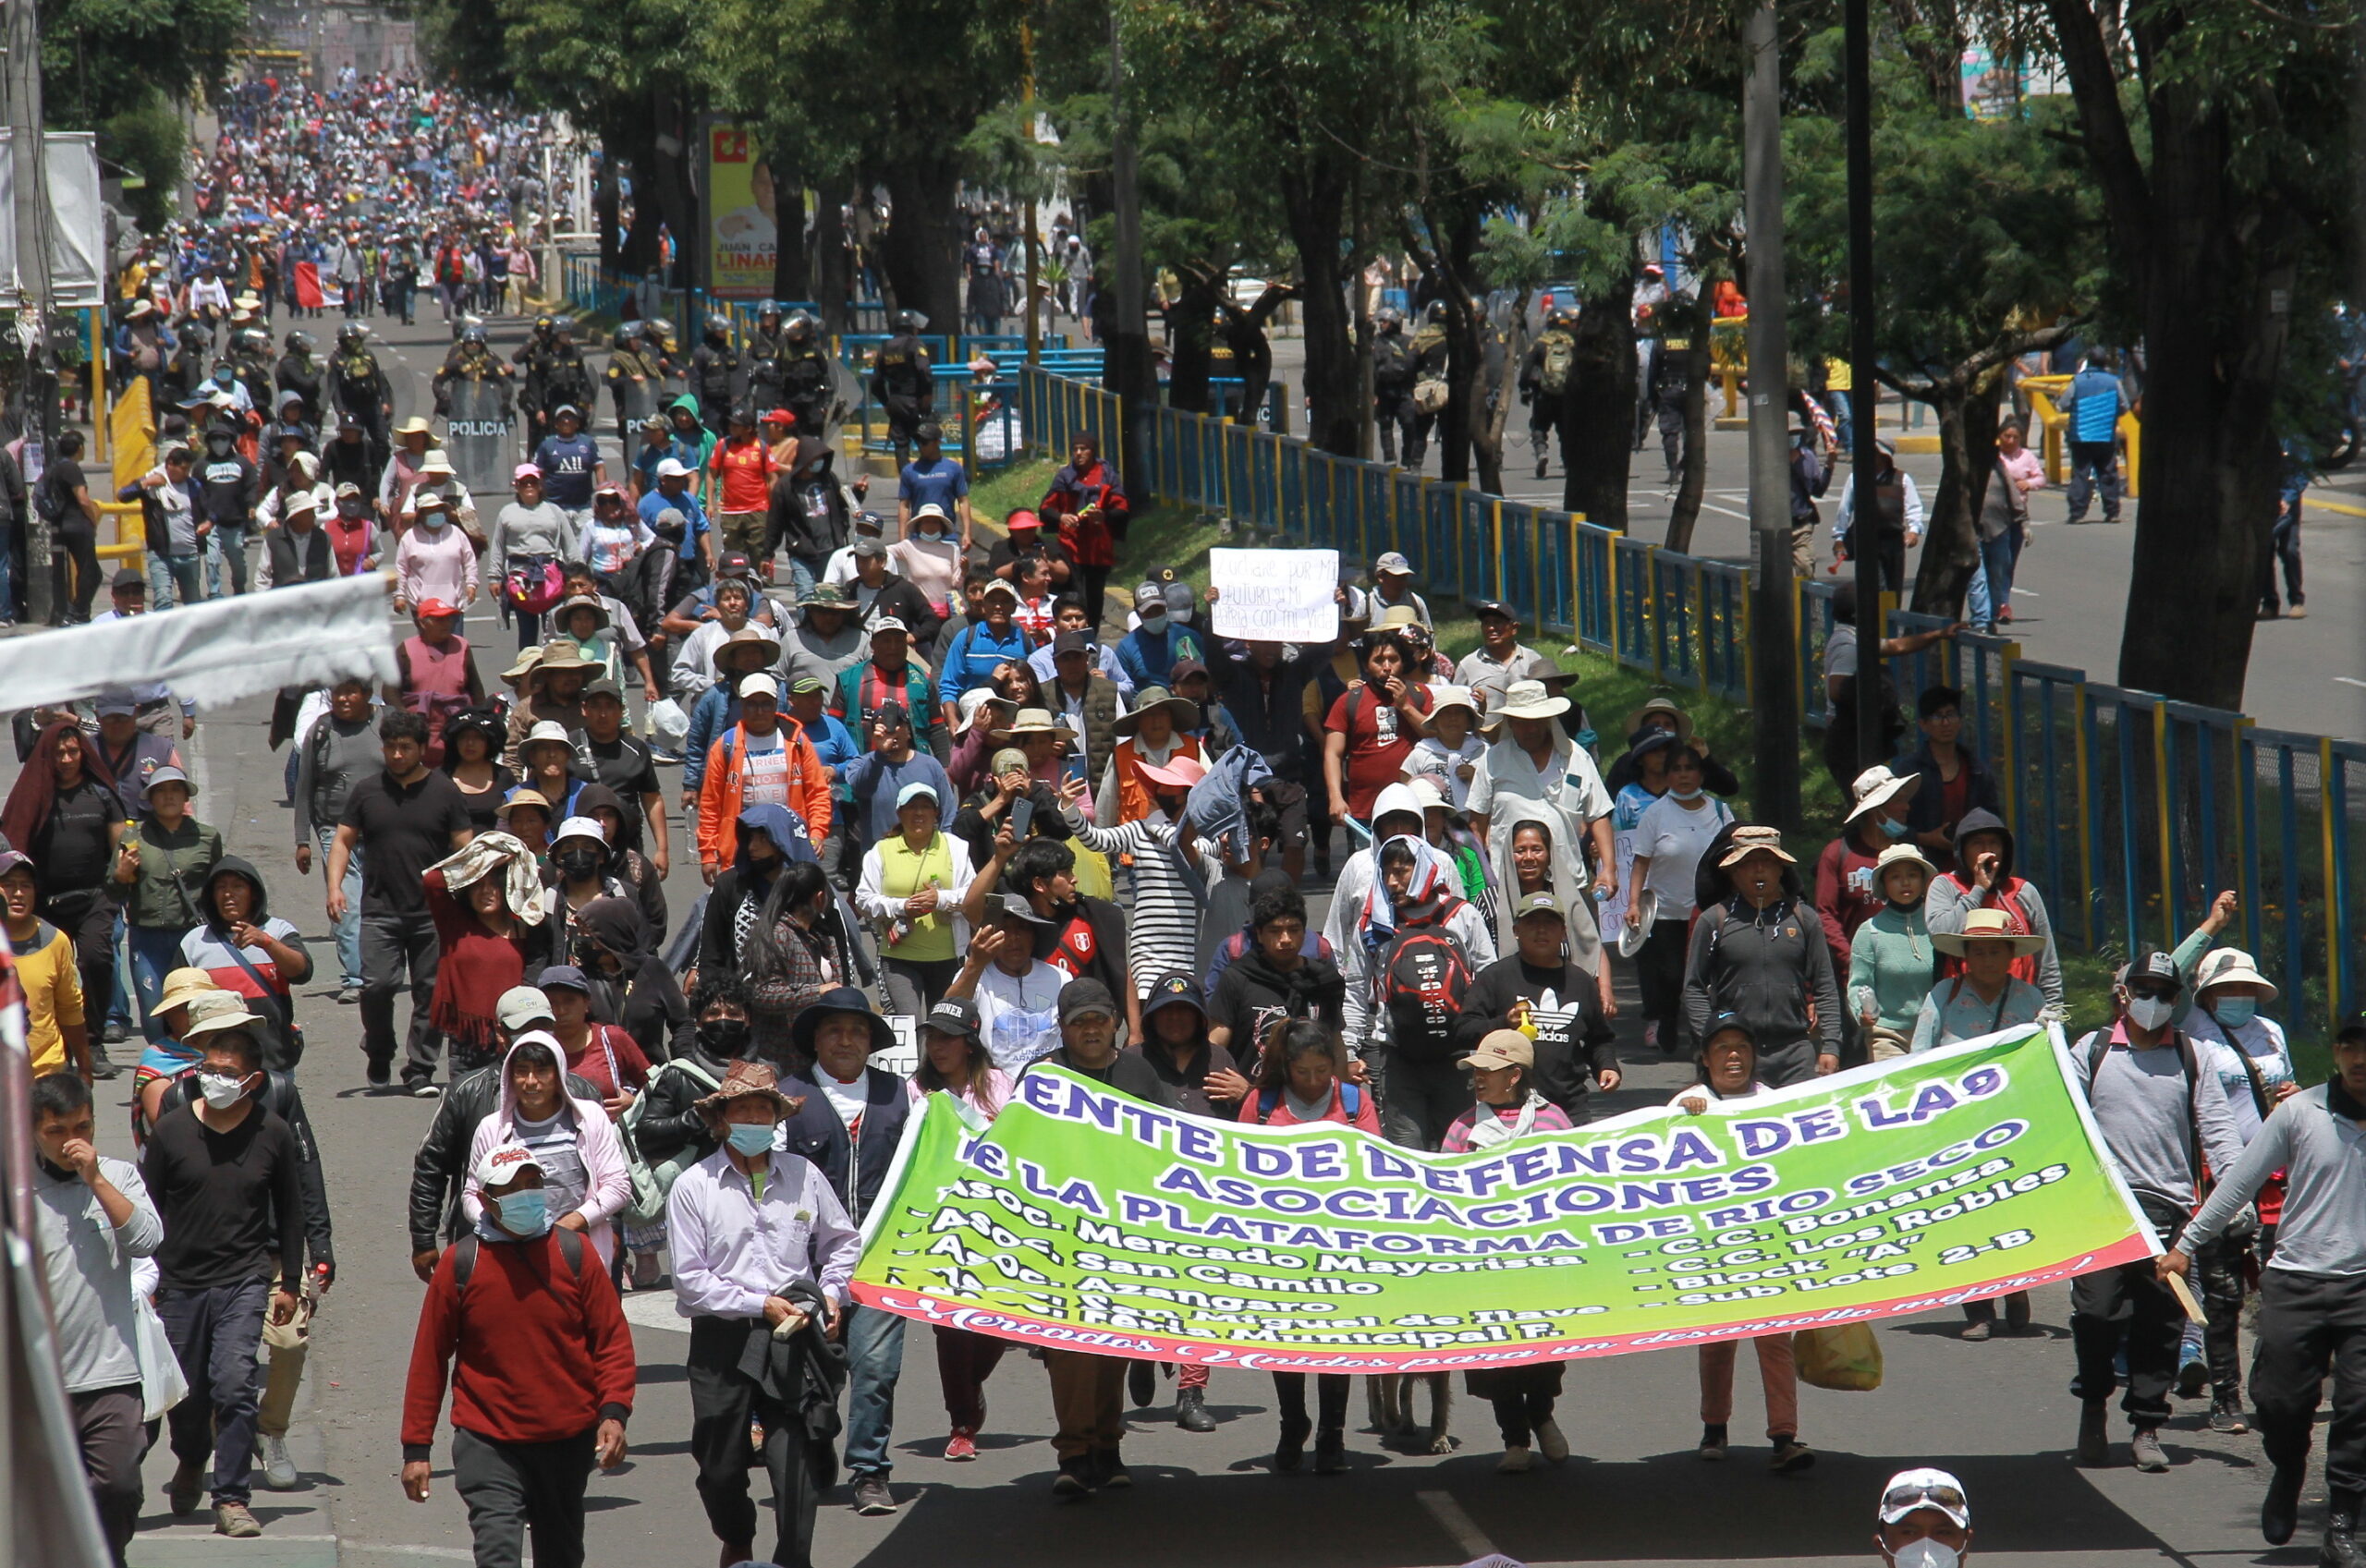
(2129, 812)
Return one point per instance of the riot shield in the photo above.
(481, 435)
(639, 402)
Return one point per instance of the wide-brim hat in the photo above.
(1181, 710)
(2231, 966)
(1747, 842)
(527, 659)
(219, 1022)
(1877, 787)
(583, 601)
(753, 634)
(1036, 721)
(1988, 925)
(1530, 700)
(1901, 855)
(414, 426)
(748, 1080)
(184, 986)
(1661, 705)
(533, 798)
(847, 1000)
(1178, 771)
(560, 655)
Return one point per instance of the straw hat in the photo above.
(184, 986)
(527, 658)
(1661, 705)
(584, 602)
(748, 1080)
(1877, 787)
(2231, 966)
(1034, 721)
(413, 426)
(753, 635)
(1987, 925)
(1747, 842)
(533, 798)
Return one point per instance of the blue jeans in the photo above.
(1992, 582)
(874, 1355)
(118, 994)
(155, 952)
(167, 574)
(801, 578)
(349, 930)
(228, 541)
(214, 1333)
(1844, 418)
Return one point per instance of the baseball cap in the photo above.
(1170, 991)
(1085, 997)
(1010, 907)
(1002, 584)
(2153, 966)
(672, 469)
(564, 977)
(1539, 904)
(429, 607)
(872, 547)
(1394, 564)
(129, 579)
(806, 683)
(889, 623)
(1911, 1489)
(170, 775)
(524, 471)
(758, 684)
(1149, 594)
(954, 1015)
(913, 791)
(1503, 1048)
(1017, 520)
(580, 827)
(603, 686)
(1497, 608)
(1071, 642)
(502, 1162)
(521, 1005)
(778, 417)
(113, 706)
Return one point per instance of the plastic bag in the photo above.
(1845, 1357)
(668, 724)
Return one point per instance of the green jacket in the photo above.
(1891, 963)
(173, 868)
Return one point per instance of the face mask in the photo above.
(1585, 738)
(1154, 620)
(751, 1137)
(724, 1037)
(524, 1213)
(580, 863)
(2234, 1011)
(1926, 1554)
(221, 1090)
(2149, 1011)
(1895, 830)
(1685, 794)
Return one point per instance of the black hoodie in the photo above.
(250, 972)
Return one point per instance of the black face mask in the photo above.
(725, 1037)
(579, 863)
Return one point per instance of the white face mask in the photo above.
(221, 1090)
(1926, 1554)
(2150, 1012)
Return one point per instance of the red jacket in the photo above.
(541, 1355)
(1846, 896)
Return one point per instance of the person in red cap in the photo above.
(779, 427)
(435, 676)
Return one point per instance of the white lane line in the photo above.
(1459, 1527)
(2350, 680)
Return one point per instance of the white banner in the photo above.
(77, 221)
(215, 652)
(1275, 595)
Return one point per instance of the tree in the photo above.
(2218, 133)
(123, 71)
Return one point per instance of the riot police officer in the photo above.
(634, 373)
(904, 384)
(470, 360)
(1392, 381)
(1544, 380)
(805, 374)
(532, 358)
(1429, 353)
(250, 355)
(566, 380)
(363, 394)
(712, 363)
(299, 371)
(760, 361)
(1666, 391)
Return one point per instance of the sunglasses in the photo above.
(1905, 1499)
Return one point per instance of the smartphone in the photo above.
(1022, 816)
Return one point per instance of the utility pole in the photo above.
(30, 156)
(1034, 328)
(1129, 347)
(1871, 723)
(1774, 648)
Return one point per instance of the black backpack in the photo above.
(464, 1261)
(1424, 975)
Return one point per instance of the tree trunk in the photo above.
(1315, 193)
(1693, 479)
(603, 208)
(1598, 410)
(1487, 441)
(792, 274)
(833, 262)
(1194, 319)
(920, 252)
(1966, 467)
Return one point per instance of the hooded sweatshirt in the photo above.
(249, 972)
(1954, 895)
(607, 1182)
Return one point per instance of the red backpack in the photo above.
(1424, 975)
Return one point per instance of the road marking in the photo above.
(2350, 680)
(2343, 507)
(1459, 1527)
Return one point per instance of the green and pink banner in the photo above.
(1086, 1220)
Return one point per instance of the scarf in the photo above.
(488, 853)
(35, 794)
(1488, 1127)
(1306, 989)
(1429, 897)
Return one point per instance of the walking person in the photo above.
(1670, 838)
(1760, 955)
(2092, 405)
(2283, 543)
(64, 811)
(340, 750)
(225, 1173)
(157, 872)
(2312, 1293)
(533, 1338)
(762, 1253)
(1891, 959)
(92, 1219)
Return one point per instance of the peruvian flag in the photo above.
(307, 285)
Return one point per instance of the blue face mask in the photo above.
(1585, 738)
(1894, 829)
(2234, 1011)
(524, 1213)
(751, 1137)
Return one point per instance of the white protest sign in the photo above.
(903, 1058)
(1275, 595)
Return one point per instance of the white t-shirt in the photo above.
(2262, 1040)
(1431, 760)
(767, 776)
(1675, 840)
(846, 1100)
(1018, 1016)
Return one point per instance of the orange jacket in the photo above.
(1134, 800)
(726, 782)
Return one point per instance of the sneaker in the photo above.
(2299, 612)
(1331, 1452)
(347, 995)
(2094, 1436)
(1075, 1480)
(425, 1091)
(186, 1488)
(378, 1075)
(1516, 1462)
(1539, 467)
(961, 1446)
(1550, 1442)
(2144, 1451)
(114, 1033)
(1652, 1035)
(871, 1498)
(1790, 1456)
(278, 1470)
(1109, 1468)
(1977, 1329)
(234, 1520)
(2193, 1374)
(103, 1068)
(2226, 1416)
(1712, 1442)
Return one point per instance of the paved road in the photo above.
(1997, 1413)
(2307, 675)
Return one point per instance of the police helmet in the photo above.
(299, 343)
(473, 334)
(718, 326)
(906, 320)
(1387, 316)
(544, 323)
(352, 331)
(768, 310)
(800, 328)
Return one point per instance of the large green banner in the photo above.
(1087, 1220)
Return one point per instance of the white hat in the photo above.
(1530, 700)
(1911, 1489)
(580, 827)
(1901, 855)
(889, 623)
(672, 469)
(1877, 787)
(913, 791)
(503, 1162)
(2231, 966)
(1426, 791)
(547, 729)
(1393, 562)
(758, 684)
(931, 509)
(1444, 697)
(521, 1005)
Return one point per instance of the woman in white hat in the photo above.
(1987, 996)
(1532, 773)
(1846, 890)
(1891, 959)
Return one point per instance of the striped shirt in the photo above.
(1163, 937)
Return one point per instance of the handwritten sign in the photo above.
(1275, 595)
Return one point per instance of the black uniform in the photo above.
(710, 367)
(301, 375)
(1543, 383)
(761, 369)
(905, 385)
(465, 361)
(1429, 354)
(363, 394)
(805, 385)
(1392, 390)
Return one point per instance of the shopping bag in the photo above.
(1845, 1357)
